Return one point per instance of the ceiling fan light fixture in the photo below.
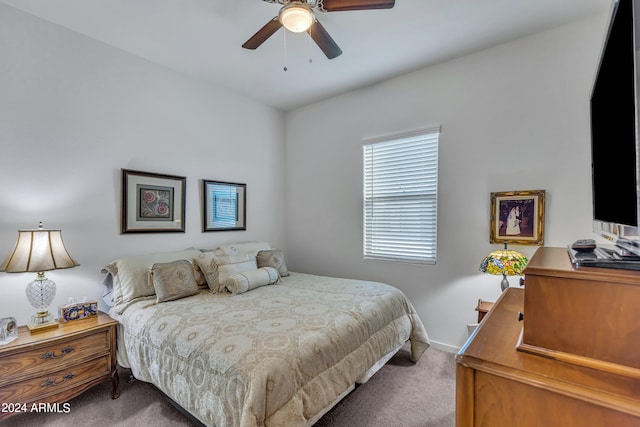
(296, 17)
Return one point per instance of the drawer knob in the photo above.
(52, 354)
(52, 382)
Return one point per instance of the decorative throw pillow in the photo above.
(199, 275)
(130, 275)
(217, 269)
(273, 258)
(228, 266)
(173, 280)
(244, 282)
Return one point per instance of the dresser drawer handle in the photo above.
(52, 382)
(52, 354)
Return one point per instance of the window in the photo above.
(400, 197)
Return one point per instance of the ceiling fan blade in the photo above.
(324, 40)
(342, 5)
(263, 34)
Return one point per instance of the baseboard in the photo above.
(444, 347)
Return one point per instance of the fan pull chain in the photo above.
(310, 46)
(284, 39)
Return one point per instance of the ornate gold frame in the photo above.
(528, 229)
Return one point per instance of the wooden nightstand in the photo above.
(56, 365)
(483, 308)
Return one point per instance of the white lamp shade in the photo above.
(36, 251)
(296, 18)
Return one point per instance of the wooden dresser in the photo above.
(56, 365)
(572, 361)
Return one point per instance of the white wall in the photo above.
(513, 117)
(73, 112)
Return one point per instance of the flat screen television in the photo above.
(614, 131)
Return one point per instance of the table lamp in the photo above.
(505, 262)
(39, 251)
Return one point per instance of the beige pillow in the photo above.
(244, 282)
(273, 258)
(240, 248)
(173, 280)
(217, 269)
(130, 275)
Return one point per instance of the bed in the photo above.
(249, 343)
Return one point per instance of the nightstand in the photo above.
(483, 308)
(56, 365)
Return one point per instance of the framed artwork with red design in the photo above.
(152, 202)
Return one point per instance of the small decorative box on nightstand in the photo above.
(77, 311)
(56, 365)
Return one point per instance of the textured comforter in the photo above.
(278, 355)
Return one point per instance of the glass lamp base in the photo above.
(40, 294)
(42, 322)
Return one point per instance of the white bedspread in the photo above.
(278, 355)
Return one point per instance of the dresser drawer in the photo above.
(39, 387)
(54, 355)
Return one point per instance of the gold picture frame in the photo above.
(517, 217)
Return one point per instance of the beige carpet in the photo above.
(401, 394)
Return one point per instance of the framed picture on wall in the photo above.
(152, 203)
(517, 217)
(224, 206)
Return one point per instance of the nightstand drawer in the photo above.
(56, 355)
(39, 387)
(58, 364)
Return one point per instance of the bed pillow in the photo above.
(240, 248)
(198, 275)
(173, 280)
(131, 275)
(217, 269)
(273, 258)
(244, 282)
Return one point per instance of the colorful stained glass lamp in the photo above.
(504, 262)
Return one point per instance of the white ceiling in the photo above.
(203, 38)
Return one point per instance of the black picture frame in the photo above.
(223, 206)
(152, 202)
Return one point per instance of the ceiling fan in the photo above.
(298, 16)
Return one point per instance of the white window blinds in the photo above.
(400, 197)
